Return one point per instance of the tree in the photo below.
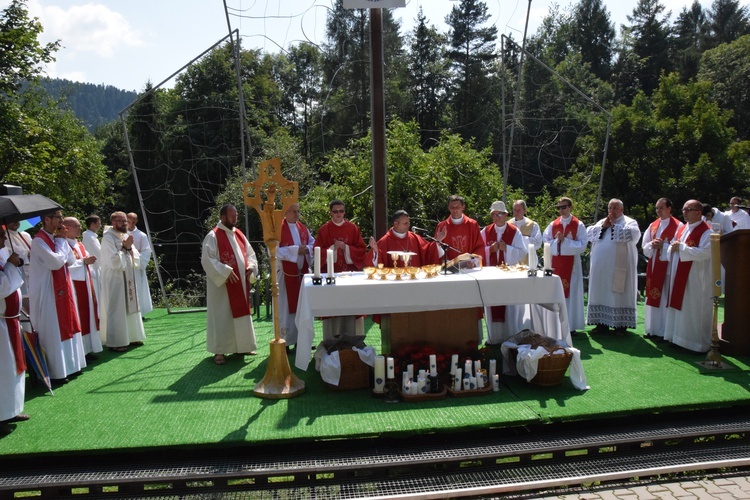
(691, 31)
(727, 68)
(728, 21)
(472, 52)
(429, 76)
(649, 40)
(594, 34)
(305, 89)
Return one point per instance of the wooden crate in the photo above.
(355, 374)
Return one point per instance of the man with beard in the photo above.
(230, 266)
(121, 322)
(53, 311)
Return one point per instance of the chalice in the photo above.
(398, 271)
(369, 272)
(394, 256)
(383, 271)
(406, 257)
(413, 270)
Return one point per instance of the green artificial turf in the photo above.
(169, 393)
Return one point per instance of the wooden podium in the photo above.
(735, 257)
(446, 330)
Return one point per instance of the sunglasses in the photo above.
(562, 207)
(340, 211)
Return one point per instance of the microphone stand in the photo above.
(445, 246)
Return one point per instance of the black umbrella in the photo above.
(14, 208)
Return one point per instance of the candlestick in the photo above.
(547, 256)
(716, 263)
(379, 374)
(329, 262)
(316, 262)
(391, 371)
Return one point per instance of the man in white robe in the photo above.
(87, 303)
(740, 218)
(690, 314)
(12, 359)
(120, 322)
(656, 241)
(294, 258)
(141, 243)
(503, 243)
(530, 231)
(567, 238)
(613, 276)
(51, 301)
(90, 241)
(230, 266)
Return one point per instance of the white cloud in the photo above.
(86, 29)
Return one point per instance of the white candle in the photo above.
(458, 380)
(329, 261)
(493, 369)
(480, 380)
(532, 256)
(496, 383)
(405, 381)
(466, 383)
(477, 367)
(414, 388)
(467, 368)
(391, 369)
(472, 383)
(547, 256)
(433, 365)
(422, 385)
(379, 374)
(410, 371)
(316, 262)
(454, 364)
(422, 374)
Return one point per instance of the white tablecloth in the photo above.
(354, 294)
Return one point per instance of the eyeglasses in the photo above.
(341, 211)
(563, 207)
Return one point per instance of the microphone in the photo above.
(743, 207)
(415, 228)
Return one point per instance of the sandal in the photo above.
(219, 359)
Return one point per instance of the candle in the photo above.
(329, 261)
(496, 383)
(422, 387)
(457, 381)
(547, 256)
(477, 367)
(433, 365)
(410, 371)
(716, 263)
(414, 388)
(405, 381)
(454, 364)
(467, 382)
(532, 256)
(467, 368)
(379, 374)
(493, 369)
(316, 262)
(472, 383)
(391, 369)
(480, 380)
(422, 374)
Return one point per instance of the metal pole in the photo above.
(377, 118)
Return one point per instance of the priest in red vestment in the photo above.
(294, 258)
(400, 239)
(462, 232)
(656, 241)
(344, 238)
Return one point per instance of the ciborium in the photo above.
(370, 272)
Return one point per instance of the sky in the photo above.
(126, 43)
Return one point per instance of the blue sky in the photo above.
(126, 43)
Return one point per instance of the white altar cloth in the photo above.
(354, 294)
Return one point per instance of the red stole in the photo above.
(12, 310)
(496, 258)
(656, 270)
(563, 264)
(238, 299)
(292, 273)
(67, 319)
(82, 293)
(683, 267)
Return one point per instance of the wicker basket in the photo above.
(355, 374)
(551, 368)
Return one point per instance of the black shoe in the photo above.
(92, 357)
(57, 382)
(621, 331)
(600, 329)
(6, 429)
(573, 333)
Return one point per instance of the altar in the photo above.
(354, 294)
